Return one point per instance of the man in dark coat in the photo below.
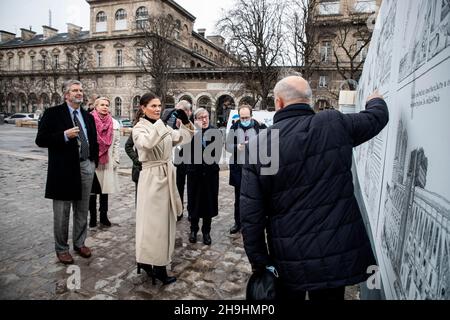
(202, 179)
(239, 135)
(69, 133)
(316, 238)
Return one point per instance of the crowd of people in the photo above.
(303, 220)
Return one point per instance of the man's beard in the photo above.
(77, 101)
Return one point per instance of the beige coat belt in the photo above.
(175, 201)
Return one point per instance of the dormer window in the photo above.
(121, 20)
(101, 21)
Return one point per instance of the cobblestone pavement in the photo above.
(28, 265)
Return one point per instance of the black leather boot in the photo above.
(207, 239)
(148, 268)
(193, 237)
(160, 273)
(104, 219)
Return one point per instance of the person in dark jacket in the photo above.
(69, 133)
(133, 155)
(239, 135)
(202, 182)
(316, 237)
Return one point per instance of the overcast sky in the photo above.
(16, 14)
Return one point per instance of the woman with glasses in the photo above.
(202, 179)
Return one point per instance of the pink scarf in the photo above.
(104, 136)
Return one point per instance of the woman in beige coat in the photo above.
(106, 179)
(158, 201)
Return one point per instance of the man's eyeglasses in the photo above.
(202, 118)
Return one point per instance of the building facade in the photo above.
(342, 30)
(107, 59)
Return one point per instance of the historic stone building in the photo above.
(106, 58)
(342, 31)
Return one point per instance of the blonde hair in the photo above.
(101, 98)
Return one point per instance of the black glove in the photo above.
(182, 116)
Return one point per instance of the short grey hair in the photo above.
(290, 93)
(199, 111)
(184, 104)
(67, 84)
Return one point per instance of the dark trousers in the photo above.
(93, 204)
(181, 180)
(206, 226)
(237, 213)
(334, 294)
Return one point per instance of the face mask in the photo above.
(246, 123)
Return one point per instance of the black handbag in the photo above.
(263, 285)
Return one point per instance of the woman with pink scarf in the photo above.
(106, 178)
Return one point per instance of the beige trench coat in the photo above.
(158, 202)
(108, 176)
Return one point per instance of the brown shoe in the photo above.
(65, 257)
(84, 251)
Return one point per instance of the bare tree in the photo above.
(79, 59)
(349, 48)
(303, 36)
(158, 54)
(255, 28)
(49, 81)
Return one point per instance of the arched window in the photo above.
(45, 100)
(101, 20)
(205, 102)
(56, 99)
(23, 103)
(136, 103)
(141, 17)
(33, 101)
(121, 19)
(170, 102)
(12, 103)
(187, 98)
(192, 64)
(118, 107)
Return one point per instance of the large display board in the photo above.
(404, 173)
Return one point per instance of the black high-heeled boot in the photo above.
(160, 273)
(148, 268)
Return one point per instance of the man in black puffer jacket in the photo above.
(316, 237)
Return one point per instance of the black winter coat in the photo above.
(64, 177)
(202, 182)
(316, 235)
(232, 144)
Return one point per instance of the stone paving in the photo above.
(29, 268)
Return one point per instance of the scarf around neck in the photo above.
(104, 136)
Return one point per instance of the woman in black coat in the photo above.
(202, 182)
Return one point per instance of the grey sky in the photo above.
(16, 14)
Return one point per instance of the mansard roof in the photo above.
(38, 40)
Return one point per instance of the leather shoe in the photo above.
(84, 251)
(235, 229)
(193, 237)
(65, 258)
(207, 239)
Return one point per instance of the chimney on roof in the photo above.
(27, 34)
(73, 30)
(6, 36)
(202, 32)
(49, 32)
(217, 40)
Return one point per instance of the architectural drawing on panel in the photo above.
(415, 234)
(440, 27)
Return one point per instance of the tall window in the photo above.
(119, 58)
(365, 6)
(10, 63)
(55, 61)
(32, 63)
(325, 51)
(139, 57)
(323, 81)
(44, 62)
(121, 19)
(118, 107)
(363, 54)
(69, 58)
(101, 21)
(20, 63)
(99, 59)
(329, 7)
(141, 17)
